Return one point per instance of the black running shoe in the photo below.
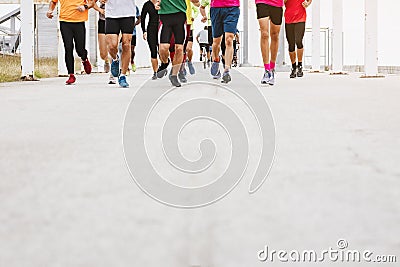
(162, 70)
(174, 81)
(293, 74)
(300, 71)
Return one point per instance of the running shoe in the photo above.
(226, 78)
(107, 67)
(182, 77)
(265, 78)
(293, 74)
(115, 68)
(87, 66)
(112, 80)
(192, 71)
(215, 70)
(71, 79)
(154, 76)
(174, 81)
(162, 70)
(122, 82)
(272, 77)
(300, 71)
(134, 67)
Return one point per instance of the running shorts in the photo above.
(273, 12)
(173, 24)
(120, 25)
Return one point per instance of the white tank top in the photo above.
(120, 8)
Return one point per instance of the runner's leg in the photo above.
(126, 52)
(68, 37)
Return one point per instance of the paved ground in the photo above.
(67, 199)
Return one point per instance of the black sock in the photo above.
(300, 64)
(294, 66)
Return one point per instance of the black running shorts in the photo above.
(101, 27)
(173, 24)
(273, 12)
(120, 25)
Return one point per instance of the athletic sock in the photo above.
(122, 75)
(294, 66)
(267, 67)
(272, 65)
(300, 64)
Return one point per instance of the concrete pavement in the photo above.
(67, 199)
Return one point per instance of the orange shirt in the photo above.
(69, 11)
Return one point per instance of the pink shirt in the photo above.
(277, 3)
(225, 3)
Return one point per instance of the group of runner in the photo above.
(169, 34)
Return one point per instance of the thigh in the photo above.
(263, 10)
(166, 29)
(274, 29)
(102, 41)
(276, 15)
(66, 33)
(290, 35)
(101, 27)
(179, 28)
(299, 30)
(217, 22)
(112, 40)
(231, 19)
(112, 26)
(264, 24)
(127, 25)
(79, 30)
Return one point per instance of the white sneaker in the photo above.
(112, 80)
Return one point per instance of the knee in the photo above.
(126, 45)
(299, 44)
(265, 35)
(229, 41)
(189, 49)
(164, 48)
(275, 36)
(113, 49)
(179, 49)
(103, 55)
(292, 48)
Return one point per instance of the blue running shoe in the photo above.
(122, 82)
(192, 71)
(115, 67)
(215, 70)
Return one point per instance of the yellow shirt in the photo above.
(192, 12)
(69, 11)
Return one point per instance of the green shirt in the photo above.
(172, 7)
